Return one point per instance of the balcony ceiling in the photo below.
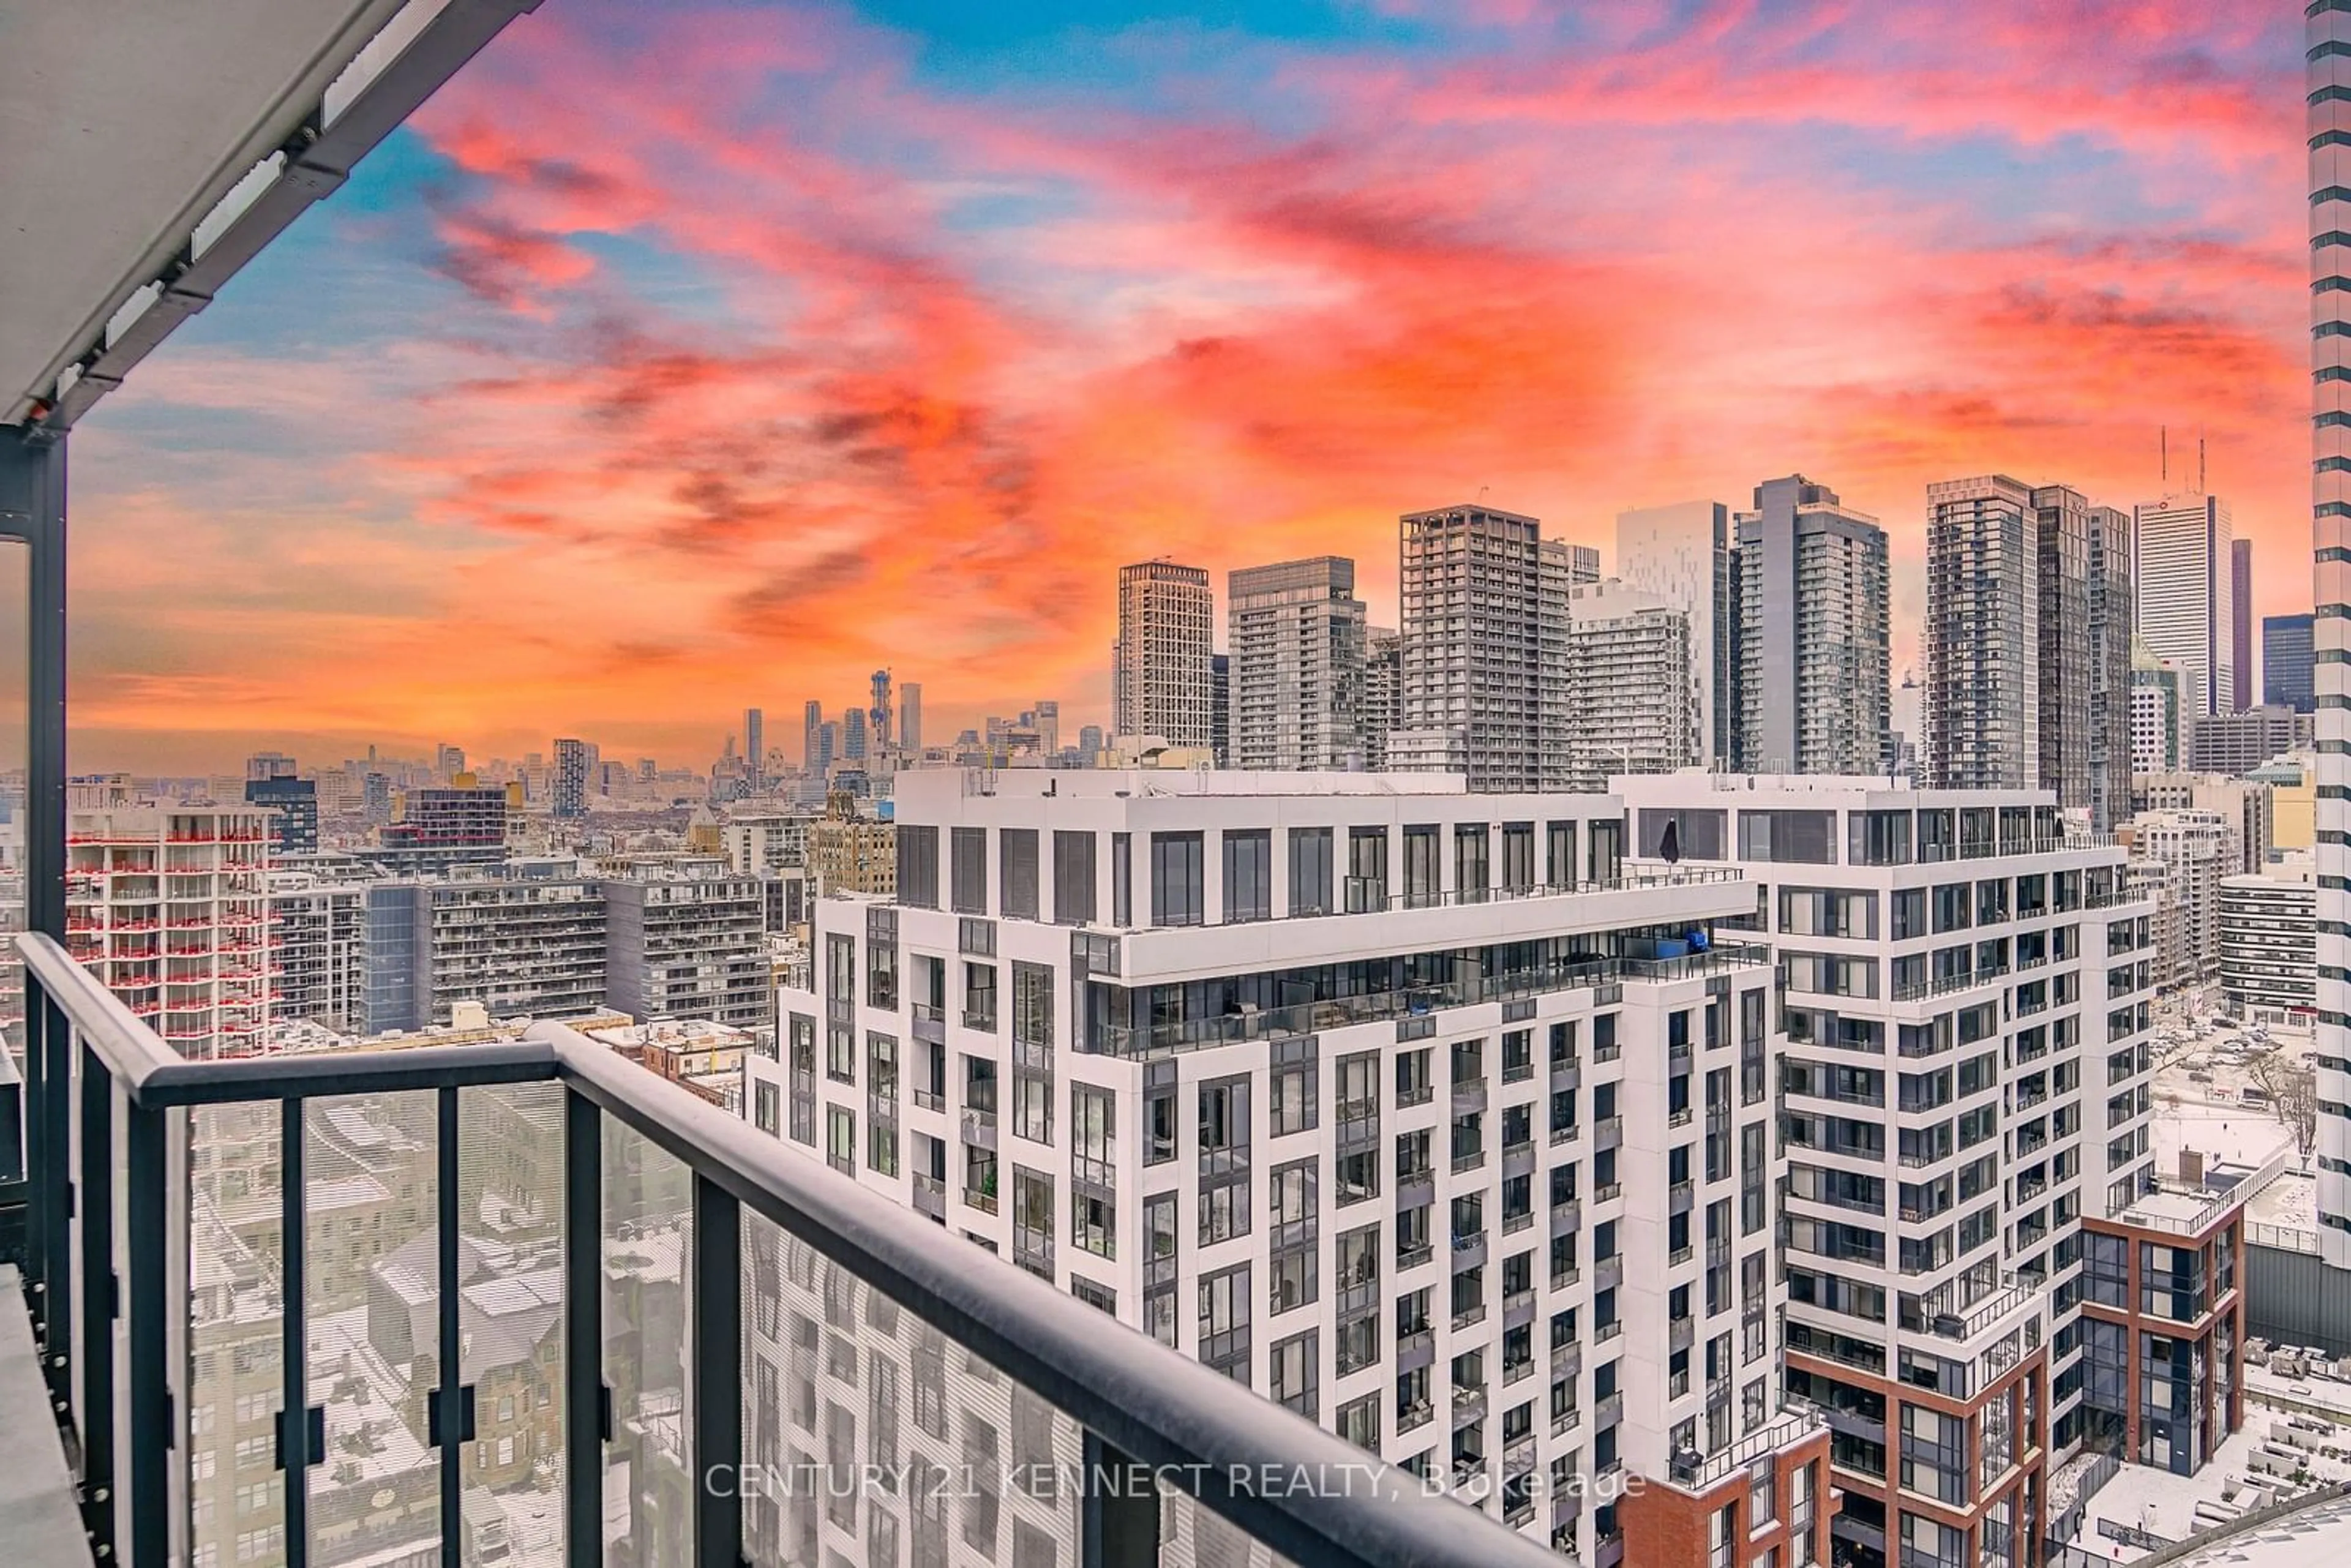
(124, 122)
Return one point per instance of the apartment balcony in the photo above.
(1794, 1423)
(1252, 1023)
(931, 1195)
(1666, 897)
(672, 1224)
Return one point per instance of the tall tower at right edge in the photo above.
(2328, 28)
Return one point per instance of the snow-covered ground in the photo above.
(2144, 1498)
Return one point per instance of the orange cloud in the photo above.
(778, 359)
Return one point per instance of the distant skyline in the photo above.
(877, 335)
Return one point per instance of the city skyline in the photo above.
(962, 318)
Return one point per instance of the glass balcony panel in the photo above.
(1191, 1534)
(648, 1239)
(510, 1319)
(870, 1437)
(235, 1335)
(372, 1321)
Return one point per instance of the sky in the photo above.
(676, 360)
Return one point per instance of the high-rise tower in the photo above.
(1682, 553)
(877, 718)
(2028, 643)
(1812, 666)
(1483, 688)
(1296, 632)
(2240, 622)
(2186, 591)
(1161, 679)
(2328, 29)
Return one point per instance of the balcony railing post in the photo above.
(53, 1176)
(584, 1433)
(717, 1377)
(1119, 1519)
(154, 1429)
(98, 1295)
(294, 1455)
(451, 1429)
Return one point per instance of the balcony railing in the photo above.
(1337, 1013)
(647, 1293)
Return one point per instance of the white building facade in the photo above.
(1481, 666)
(1407, 1106)
(169, 905)
(1682, 552)
(1635, 705)
(1964, 993)
(2185, 593)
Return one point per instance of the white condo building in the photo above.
(2327, 32)
(1964, 991)
(1415, 1109)
(1634, 704)
(1482, 676)
(1812, 671)
(2194, 850)
(1682, 552)
(169, 905)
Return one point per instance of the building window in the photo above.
(766, 1109)
(1309, 870)
(1017, 849)
(1249, 875)
(1722, 1536)
(1471, 873)
(1074, 878)
(1121, 879)
(1224, 1333)
(882, 960)
(1178, 882)
(1358, 1421)
(1801, 1482)
(1032, 1220)
(1032, 1004)
(967, 870)
(1698, 836)
(840, 1140)
(1558, 854)
(1518, 867)
(1367, 870)
(1223, 1159)
(1422, 873)
(918, 866)
(1799, 838)
(1294, 1095)
(1295, 1373)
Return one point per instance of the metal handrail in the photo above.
(1148, 1403)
